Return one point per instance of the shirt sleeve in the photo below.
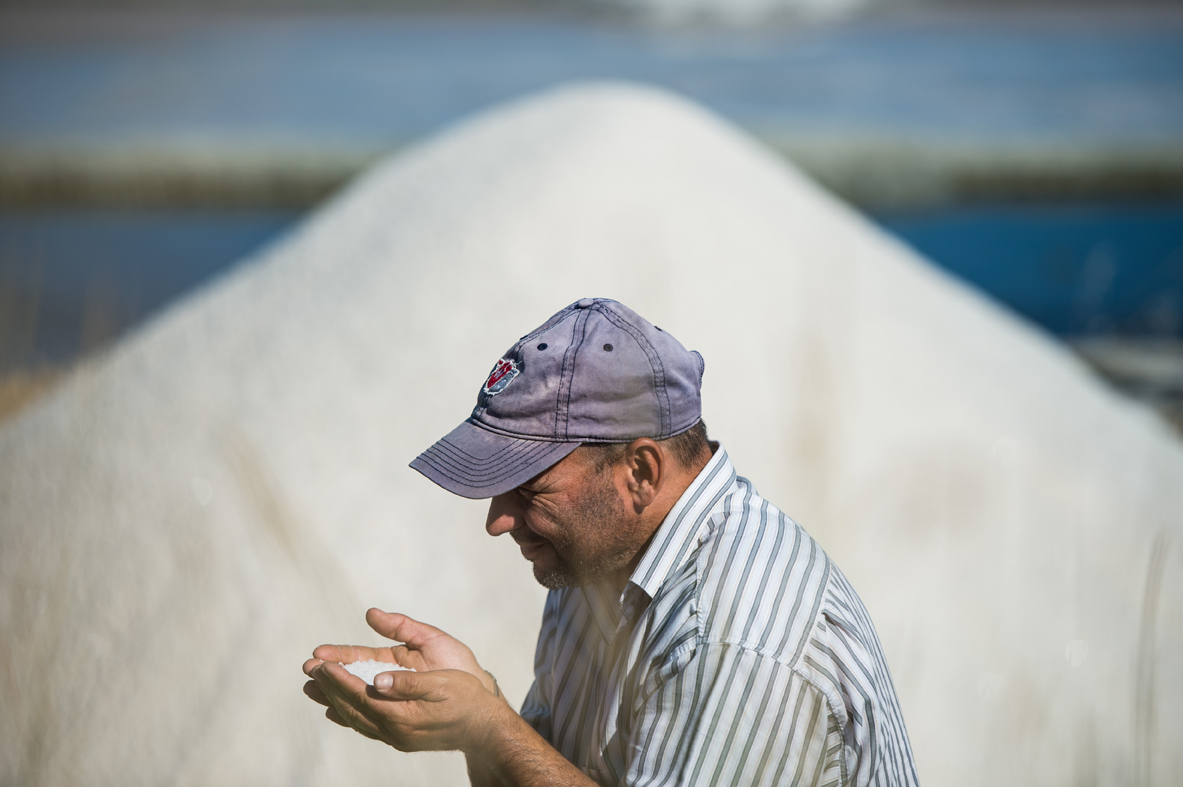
(729, 715)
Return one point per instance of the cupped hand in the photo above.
(411, 711)
(424, 648)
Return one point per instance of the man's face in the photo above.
(571, 522)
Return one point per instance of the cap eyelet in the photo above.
(607, 348)
(542, 346)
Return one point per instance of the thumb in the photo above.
(400, 627)
(403, 685)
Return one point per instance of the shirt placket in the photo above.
(621, 654)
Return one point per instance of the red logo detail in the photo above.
(501, 376)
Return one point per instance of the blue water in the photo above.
(1074, 270)
(72, 280)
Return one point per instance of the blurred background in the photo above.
(1033, 149)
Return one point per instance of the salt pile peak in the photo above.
(1011, 524)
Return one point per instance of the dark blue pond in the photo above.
(72, 280)
(1075, 270)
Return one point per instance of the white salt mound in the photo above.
(367, 670)
(1015, 529)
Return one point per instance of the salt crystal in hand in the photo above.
(366, 670)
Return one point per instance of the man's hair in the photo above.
(687, 448)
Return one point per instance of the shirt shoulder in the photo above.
(761, 579)
(766, 586)
(844, 660)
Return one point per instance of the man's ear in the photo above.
(645, 465)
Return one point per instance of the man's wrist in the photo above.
(510, 751)
(490, 720)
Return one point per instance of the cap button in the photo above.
(585, 303)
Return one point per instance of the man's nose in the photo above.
(503, 514)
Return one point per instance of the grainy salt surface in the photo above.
(1002, 514)
(367, 670)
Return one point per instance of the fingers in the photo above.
(332, 715)
(313, 692)
(339, 687)
(358, 723)
(410, 686)
(401, 628)
(350, 704)
(396, 696)
(345, 693)
(332, 684)
(405, 657)
(388, 685)
(408, 710)
(335, 679)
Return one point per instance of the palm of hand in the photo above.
(434, 652)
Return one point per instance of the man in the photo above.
(693, 633)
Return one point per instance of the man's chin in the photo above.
(553, 577)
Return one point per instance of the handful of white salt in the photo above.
(367, 670)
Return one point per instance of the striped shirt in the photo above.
(737, 654)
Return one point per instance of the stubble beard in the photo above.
(600, 543)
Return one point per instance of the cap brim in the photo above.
(473, 462)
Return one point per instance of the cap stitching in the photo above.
(567, 375)
(500, 452)
(546, 326)
(491, 474)
(442, 454)
(527, 468)
(655, 365)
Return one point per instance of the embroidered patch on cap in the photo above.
(502, 375)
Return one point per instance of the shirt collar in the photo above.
(679, 531)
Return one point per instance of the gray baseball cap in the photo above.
(596, 372)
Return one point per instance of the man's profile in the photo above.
(693, 634)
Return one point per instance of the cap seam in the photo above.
(485, 487)
(508, 453)
(521, 435)
(445, 467)
(655, 365)
(571, 439)
(443, 460)
(546, 326)
(567, 376)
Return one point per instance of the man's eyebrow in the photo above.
(535, 483)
